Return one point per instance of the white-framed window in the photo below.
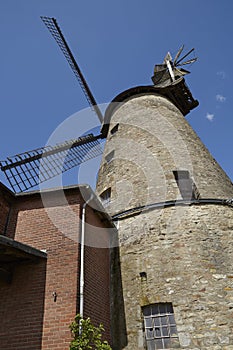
(106, 197)
(160, 326)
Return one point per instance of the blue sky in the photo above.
(116, 44)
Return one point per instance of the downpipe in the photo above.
(82, 262)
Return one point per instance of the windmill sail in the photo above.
(56, 32)
(178, 54)
(29, 169)
(192, 60)
(182, 58)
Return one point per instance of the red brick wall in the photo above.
(22, 308)
(97, 273)
(30, 318)
(35, 227)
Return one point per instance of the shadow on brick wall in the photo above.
(22, 308)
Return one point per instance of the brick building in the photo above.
(40, 266)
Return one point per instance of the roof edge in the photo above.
(9, 242)
(86, 193)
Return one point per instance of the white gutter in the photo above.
(82, 243)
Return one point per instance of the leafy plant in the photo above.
(86, 336)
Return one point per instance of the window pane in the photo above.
(162, 308)
(157, 332)
(151, 345)
(171, 319)
(157, 321)
(167, 343)
(149, 333)
(147, 311)
(155, 309)
(164, 320)
(165, 332)
(159, 344)
(106, 196)
(148, 322)
(173, 331)
(169, 308)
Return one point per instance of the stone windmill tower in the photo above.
(169, 198)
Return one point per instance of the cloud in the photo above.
(210, 117)
(220, 98)
(222, 74)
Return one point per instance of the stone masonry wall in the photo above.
(153, 140)
(186, 251)
(187, 254)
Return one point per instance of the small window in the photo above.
(186, 185)
(160, 326)
(114, 129)
(109, 156)
(106, 196)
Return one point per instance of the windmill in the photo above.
(26, 170)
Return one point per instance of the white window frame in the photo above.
(160, 326)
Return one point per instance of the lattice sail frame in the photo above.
(56, 32)
(29, 169)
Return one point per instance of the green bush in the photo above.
(90, 337)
